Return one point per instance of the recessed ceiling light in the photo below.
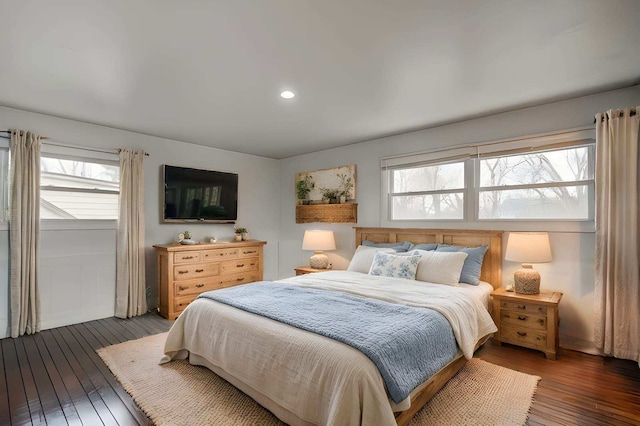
(287, 94)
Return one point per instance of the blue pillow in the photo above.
(427, 247)
(400, 247)
(472, 264)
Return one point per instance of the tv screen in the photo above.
(192, 195)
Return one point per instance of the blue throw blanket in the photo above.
(407, 344)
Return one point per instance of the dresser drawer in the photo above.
(519, 319)
(198, 270)
(230, 280)
(187, 257)
(249, 251)
(179, 303)
(523, 336)
(221, 254)
(526, 307)
(240, 265)
(187, 287)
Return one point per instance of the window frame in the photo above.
(589, 183)
(464, 189)
(4, 185)
(472, 153)
(89, 156)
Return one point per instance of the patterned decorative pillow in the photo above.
(395, 266)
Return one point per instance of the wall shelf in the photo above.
(328, 213)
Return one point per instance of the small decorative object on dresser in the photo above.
(318, 240)
(186, 271)
(242, 234)
(529, 247)
(187, 238)
(527, 320)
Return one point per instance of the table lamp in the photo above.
(318, 240)
(529, 247)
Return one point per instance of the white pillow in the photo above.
(440, 267)
(363, 258)
(395, 266)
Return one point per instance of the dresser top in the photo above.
(543, 298)
(207, 246)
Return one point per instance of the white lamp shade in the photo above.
(528, 247)
(318, 240)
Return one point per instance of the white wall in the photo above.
(78, 266)
(572, 270)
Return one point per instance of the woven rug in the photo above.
(178, 393)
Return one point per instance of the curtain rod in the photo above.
(8, 131)
(66, 145)
(632, 112)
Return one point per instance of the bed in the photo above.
(306, 378)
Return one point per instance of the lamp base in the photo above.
(527, 280)
(319, 260)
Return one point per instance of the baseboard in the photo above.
(578, 344)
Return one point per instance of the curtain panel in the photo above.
(24, 232)
(131, 299)
(617, 283)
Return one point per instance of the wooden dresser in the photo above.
(185, 271)
(529, 320)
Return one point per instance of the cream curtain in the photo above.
(617, 284)
(131, 297)
(24, 232)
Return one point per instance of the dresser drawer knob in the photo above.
(541, 321)
(239, 265)
(181, 288)
(521, 306)
(521, 333)
(199, 270)
(183, 272)
(239, 278)
(522, 318)
(199, 285)
(187, 257)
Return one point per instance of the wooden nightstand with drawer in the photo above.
(529, 320)
(303, 270)
(185, 271)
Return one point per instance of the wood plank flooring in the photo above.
(56, 378)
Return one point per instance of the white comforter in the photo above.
(305, 378)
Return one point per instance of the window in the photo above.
(78, 188)
(431, 192)
(543, 185)
(537, 179)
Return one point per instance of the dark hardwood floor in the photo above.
(56, 378)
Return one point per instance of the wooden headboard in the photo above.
(491, 267)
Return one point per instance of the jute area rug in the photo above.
(178, 393)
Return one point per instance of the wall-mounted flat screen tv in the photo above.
(192, 195)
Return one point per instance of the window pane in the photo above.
(569, 202)
(430, 206)
(77, 205)
(566, 165)
(85, 176)
(429, 178)
(81, 169)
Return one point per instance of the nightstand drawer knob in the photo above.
(521, 334)
(521, 306)
(522, 318)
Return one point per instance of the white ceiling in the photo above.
(210, 72)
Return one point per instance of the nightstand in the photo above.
(529, 320)
(302, 270)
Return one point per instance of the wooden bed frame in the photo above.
(491, 273)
